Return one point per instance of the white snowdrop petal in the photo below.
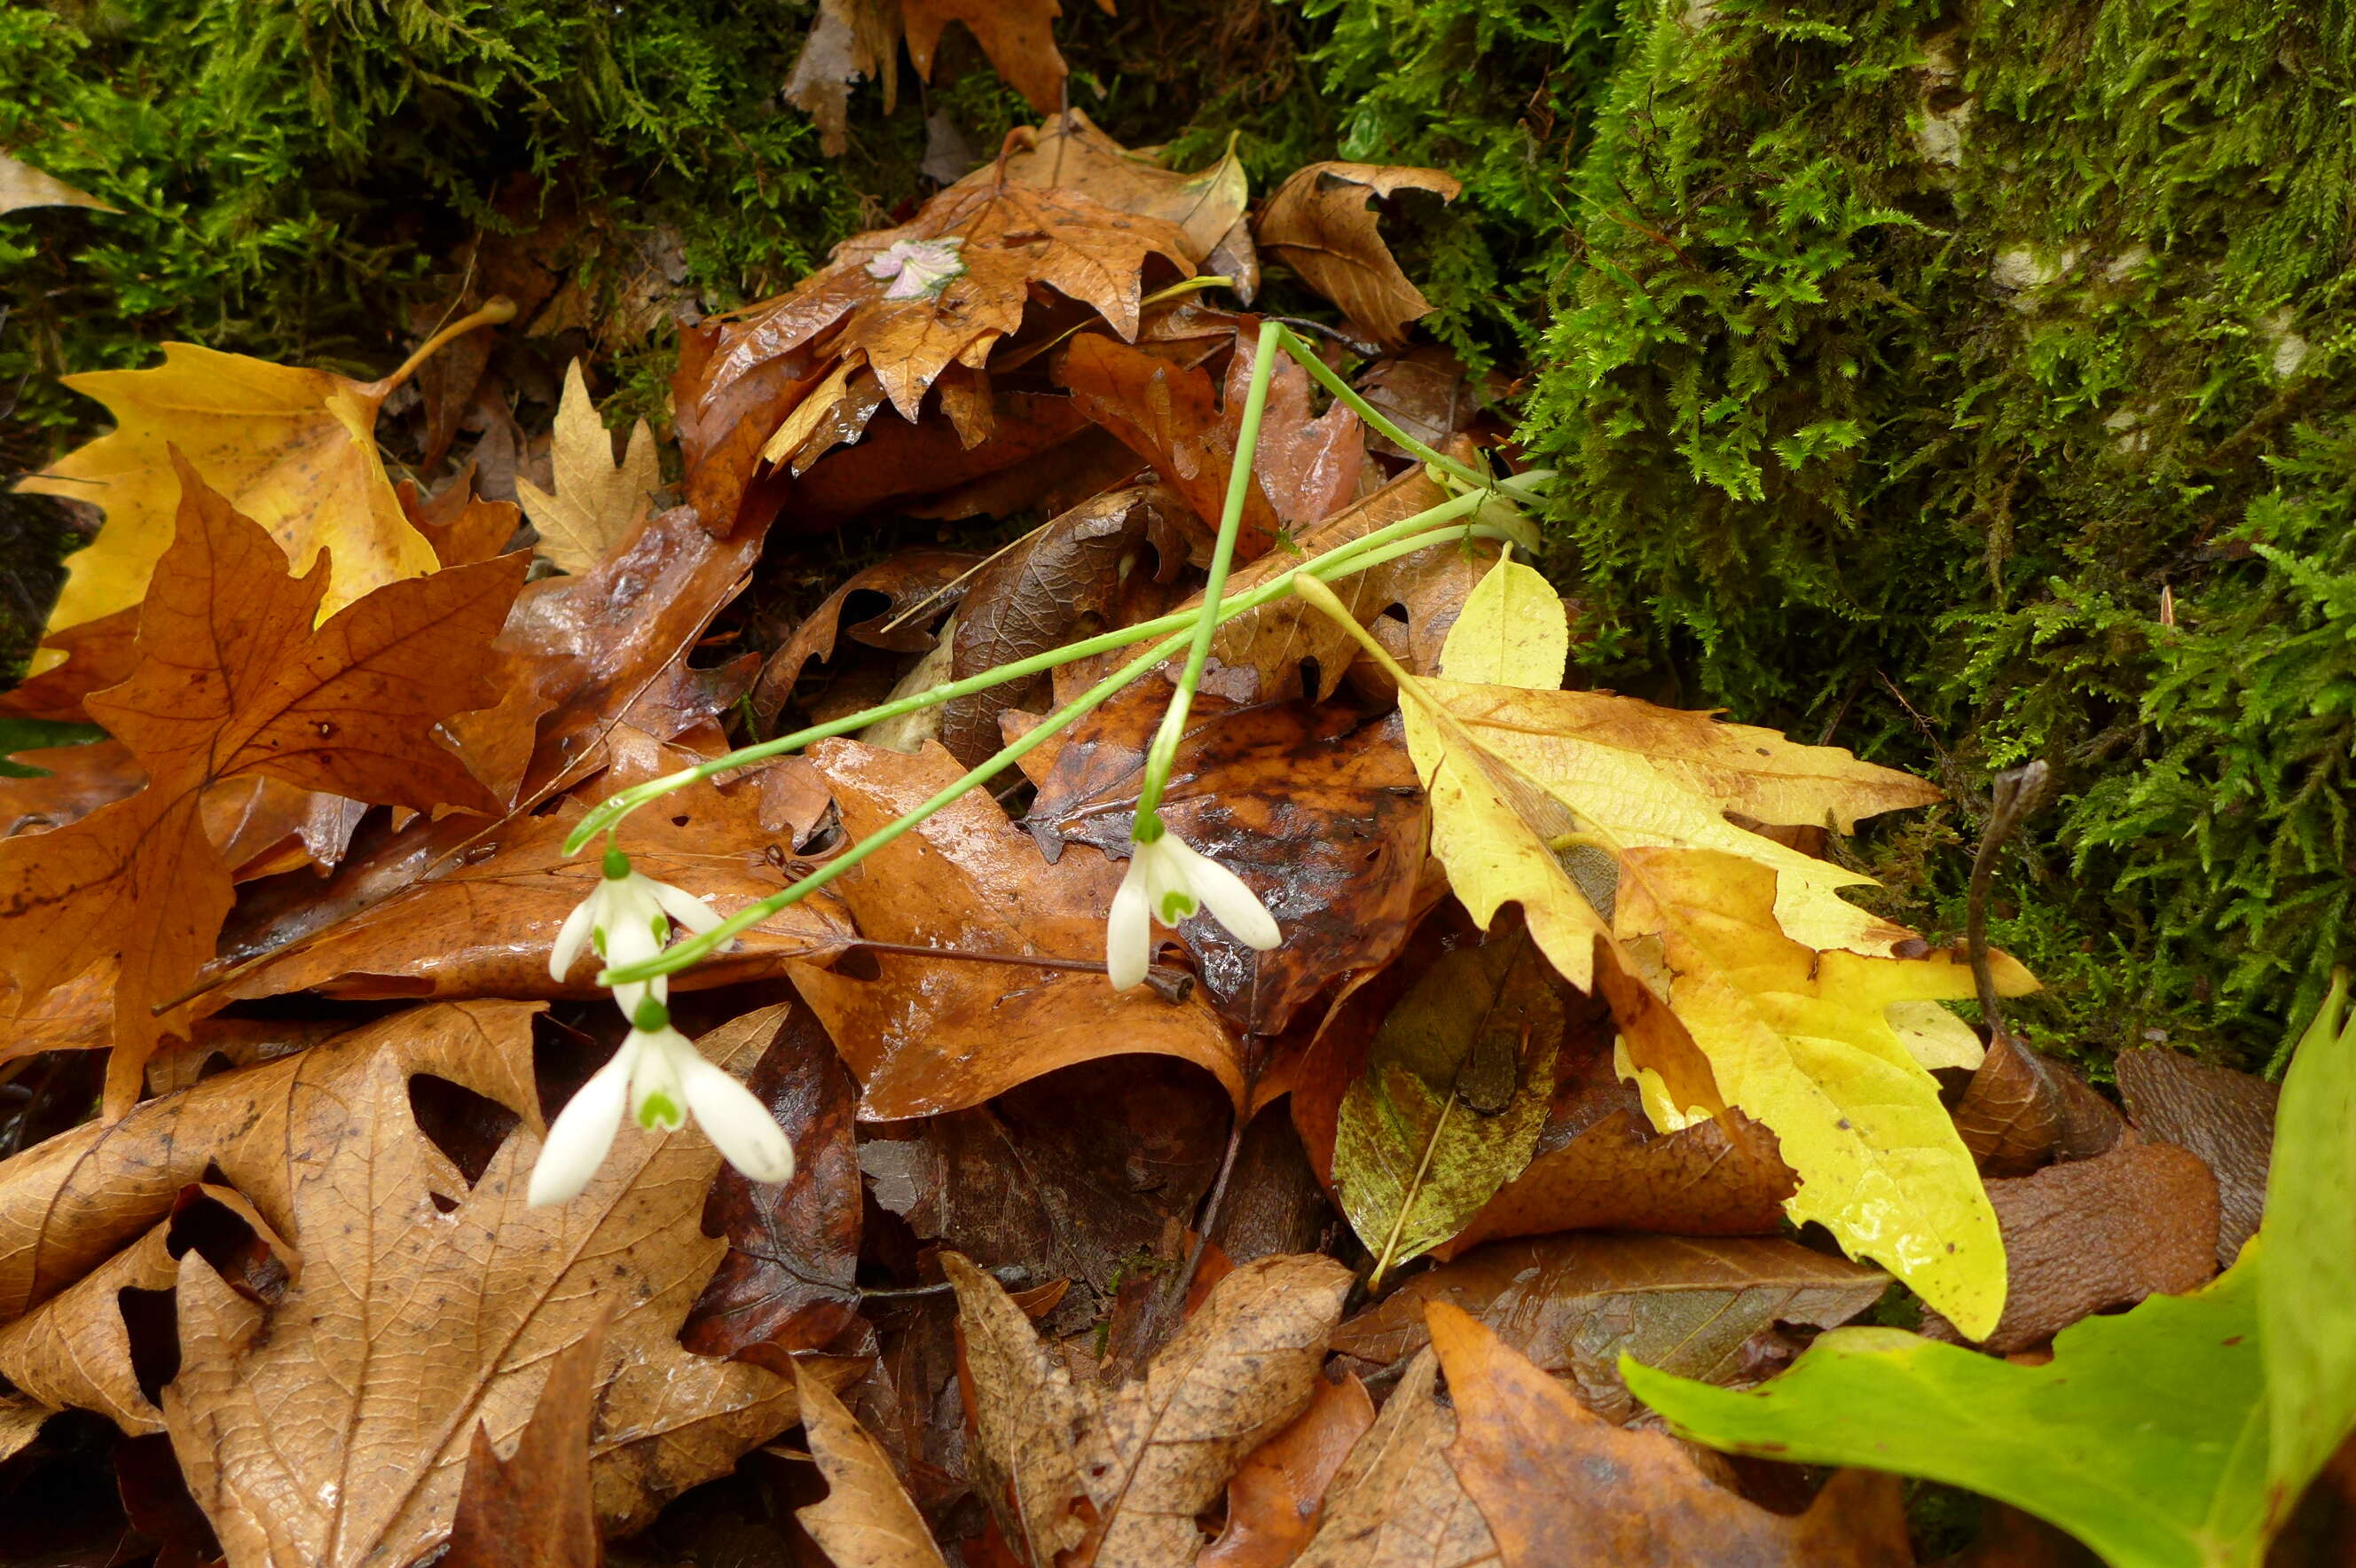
(1128, 933)
(738, 1125)
(571, 938)
(657, 1101)
(1233, 904)
(581, 1135)
(684, 907)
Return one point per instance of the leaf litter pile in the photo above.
(1579, 1178)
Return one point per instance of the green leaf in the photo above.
(2307, 1311)
(1455, 1092)
(2145, 1437)
(2177, 1435)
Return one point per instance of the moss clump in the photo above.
(1914, 357)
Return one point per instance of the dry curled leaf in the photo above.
(1320, 223)
(1122, 1473)
(1396, 1503)
(853, 41)
(1560, 1485)
(867, 1520)
(2225, 1117)
(234, 682)
(534, 1508)
(334, 1427)
(597, 501)
(929, 1035)
(1277, 1494)
(917, 587)
(1071, 153)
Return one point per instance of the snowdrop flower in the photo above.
(661, 1077)
(627, 919)
(1168, 881)
(920, 269)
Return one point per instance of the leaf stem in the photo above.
(497, 311)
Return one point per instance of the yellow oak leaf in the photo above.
(293, 449)
(597, 500)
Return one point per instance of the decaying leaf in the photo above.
(23, 185)
(1455, 1091)
(853, 41)
(930, 1035)
(295, 450)
(534, 1508)
(1397, 1503)
(1702, 1308)
(232, 682)
(1558, 1484)
(2225, 1117)
(1276, 1496)
(334, 1427)
(1320, 224)
(1125, 1471)
(867, 1520)
(597, 501)
(1071, 153)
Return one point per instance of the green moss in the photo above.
(1910, 353)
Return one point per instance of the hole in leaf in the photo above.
(467, 1126)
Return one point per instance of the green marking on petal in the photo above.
(1176, 905)
(660, 1111)
(597, 939)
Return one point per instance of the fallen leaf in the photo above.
(597, 501)
(1396, 1502)
(789, 1279)
(233, 681)
(853, 41)
(1017, 35)
(1456, 1088)
(2010, 1114)
(334, 1428)
(2225, 1117)
(23, 185)
(2100, 1233)
(295, 450)
(1126, 1470)
(1037, 454)
(1277, 1495)
(850, 41)
(867, 1520)
(1070, 153)
(917, 587)
(1574, 1304)
(73, 781)
(1320, 224)
(1316, 813)
(930, 1035)
(534, 1508)
(94, 655)
(1428, 392)
(1558, 1484)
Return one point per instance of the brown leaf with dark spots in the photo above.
(917, 587)
(937, 1034)
(1560, 1485)
(333, 1429)
(1397, 1503)
(1321, 817)
(2098, 1233)
(1320, 223)
(2225, 1117)
(233, 681)
(1576, 1304)
(1058, 583)
(532, 1509)
(1123, 1472)
(867, 1520)
(1277, 1495)
(788, 1283)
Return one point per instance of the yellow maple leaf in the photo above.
(293, 449)
(597, 500)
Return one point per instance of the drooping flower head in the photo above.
(662, 1079)
(626, 918)
(1168, 881)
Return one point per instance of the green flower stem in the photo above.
(671, 960)
(1147, 824)
(1416, 531)
(1349, 397)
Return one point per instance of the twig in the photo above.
(2018, 792)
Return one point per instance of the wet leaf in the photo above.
(534, 1508)
(1320, 224)
(931, 1035)
(1560, 1484)
(867, 1520)
(295, 450)
(597, 501)
(1277, 1495)
(1455, 1091)
(1126, 1470)
(1069, 152)
(1702, 1308)
(917, 587)
(234, 682)
(2022, 1108)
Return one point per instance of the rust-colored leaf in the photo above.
(1321, 818)
(1558, 1484)
(932, 1035)
(234, 682)
(1397, 1503)
(534, 1508)
(1277, 1494)
(1069, 152)
(917, 587)
(1125, 1471)
(74, 781)
(1576, 1304)
(2093, 1234)
(1017, 35)
(96, 654)
(1321, 225)
(2225, 1117)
